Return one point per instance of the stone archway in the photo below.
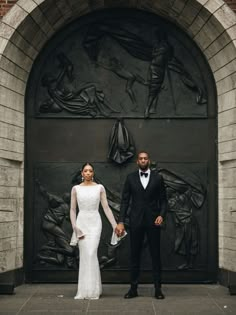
(30, 24)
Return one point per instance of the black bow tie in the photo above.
(144, 174)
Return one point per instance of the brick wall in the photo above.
(231, 4)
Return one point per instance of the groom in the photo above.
(146, 191)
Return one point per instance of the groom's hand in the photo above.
(120, 229)
(159, 220)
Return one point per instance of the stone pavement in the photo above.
(57, 299)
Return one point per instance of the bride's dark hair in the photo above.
(85, 164)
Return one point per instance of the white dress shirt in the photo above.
(144, 180)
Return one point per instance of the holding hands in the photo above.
(159, 220)
(120, 229)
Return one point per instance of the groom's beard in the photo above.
(144, 168)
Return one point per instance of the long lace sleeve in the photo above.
(73, 208)
(106, 208)
(77, 233)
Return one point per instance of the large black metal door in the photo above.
(105, 87)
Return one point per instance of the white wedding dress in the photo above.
(88, 224)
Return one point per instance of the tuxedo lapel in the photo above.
(137, 179)
(150, 180)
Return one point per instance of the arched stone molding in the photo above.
(27, 27)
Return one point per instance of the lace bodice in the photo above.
(88, 198)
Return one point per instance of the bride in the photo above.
(87, 229)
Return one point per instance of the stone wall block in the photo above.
(178, 6)
(3, 44)
(232, 32)
(209, 32)
(11, 146)
(213, 5)
(189, 13)
(11, 151)
(6, 216)
(225, 16)
(199, 22)
(7, 260)
(11, 155)
(227, 146)
(52, 13)
(11, 99)
(83, 8)
(227, 178)
(6, 79)
(226, 84)
(217, 45)
(27, 5)
(20, 215)
(228, 259)
(227, 192)
(10, 164)
(7, 243)
(7, 192)
(11, 132)
(27, 46)
(223, 57)
(15, 16)
(227, 157)
(7, 205)
(38, 16)
(8, 229)
(19, 259)
(64, 9)
(13, 69)
(227, 118)
(221, 241)
(221, 257)
(18, 57)
(21, 183)
(228, 243)
(9, 176)
(227, 211)
(227, 133)
(20, 241)
(228, 229)
(227, 101)
(225, 71)
(6, 31)
(8, 115)
(31, 31)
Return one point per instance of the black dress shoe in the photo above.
(131, 294)
(158, 294)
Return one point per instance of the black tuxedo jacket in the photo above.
(145, 204)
